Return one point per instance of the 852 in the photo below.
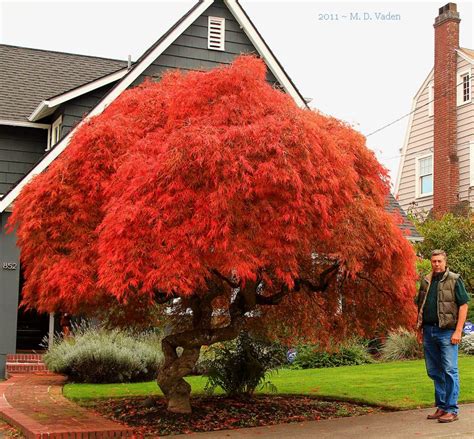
(9, 265)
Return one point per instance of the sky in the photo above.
(364, 71)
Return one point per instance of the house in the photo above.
(44, 95)
(437, 165)
(40, 108)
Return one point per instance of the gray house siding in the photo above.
(74, 110)
(20, 149)
(9, 291)
(189, 51)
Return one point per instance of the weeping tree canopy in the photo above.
(215, 189)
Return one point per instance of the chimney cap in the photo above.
(447, 12)
(448, 7)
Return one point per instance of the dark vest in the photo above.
(447, 306)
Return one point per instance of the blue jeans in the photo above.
(441, 358)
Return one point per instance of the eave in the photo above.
(49, 106)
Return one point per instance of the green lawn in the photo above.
(401, 384)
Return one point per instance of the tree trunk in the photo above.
(171, 376)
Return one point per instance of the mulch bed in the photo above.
(149, 415)
(9, 431)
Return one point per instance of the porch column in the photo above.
(51, 329)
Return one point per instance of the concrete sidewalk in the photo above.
(395, 425)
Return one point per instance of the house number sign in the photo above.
(9, 265)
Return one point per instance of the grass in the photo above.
(399, 384)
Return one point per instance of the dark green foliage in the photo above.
(348, 354)
(241, 365)
(455, 235)
(97, 355)
(470, 311)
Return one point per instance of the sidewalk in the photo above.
(35, 405)
(395, 425)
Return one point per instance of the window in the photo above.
(464, 87)
(55, 135)
(431, 99)
(216, 33)
(424, 176)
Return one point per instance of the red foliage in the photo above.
(215, 171)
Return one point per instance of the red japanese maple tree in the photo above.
(212, 190)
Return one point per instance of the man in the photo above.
(442, 310)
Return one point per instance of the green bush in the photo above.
(467, 344)
(97, 355)
(402, 345)
(455, 235)
(470, 310)
(241, 365)
(423, 267)
(206, 356)
(350, 353)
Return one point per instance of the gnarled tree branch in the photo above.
(274, 299)
(324, 280)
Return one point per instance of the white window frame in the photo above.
(471, 163)
(459, 86)
(54, 137)
(418, 193)
(212, 24)
(431, 99)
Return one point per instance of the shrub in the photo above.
(206, 356)
(470, 310)
(241, 365)
(467, 344)
(455, 235)
(402, 345)
(93, 354)
(350, 353)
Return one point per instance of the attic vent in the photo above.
(216, 33)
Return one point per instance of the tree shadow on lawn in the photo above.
(210, 413)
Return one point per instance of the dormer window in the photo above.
(216, 33)
(55, 132)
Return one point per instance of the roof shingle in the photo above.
(406, 226)
(54, 73)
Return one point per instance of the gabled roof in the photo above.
(29, 76)
(406, 226)
(140, 66)
(467, 54)
(407, 132)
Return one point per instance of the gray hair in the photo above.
(439, 252)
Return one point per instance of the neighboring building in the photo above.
(44, 95)
(437, 166)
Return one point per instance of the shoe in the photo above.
(448, 417)
(437, 414)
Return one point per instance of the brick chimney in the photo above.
(446, 167)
